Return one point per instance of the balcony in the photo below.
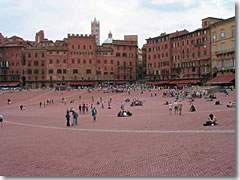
(224, 69)
(225, 52)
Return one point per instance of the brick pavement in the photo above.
(57, 151)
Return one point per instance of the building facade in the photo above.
(195, 55)
(191, 58)
(223, 43)
(73, 61)
(158, 56)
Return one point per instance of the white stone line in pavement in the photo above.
(126, 131)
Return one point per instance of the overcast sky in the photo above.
(146, 18)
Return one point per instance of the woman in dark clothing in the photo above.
(68, 118)
(211, 121)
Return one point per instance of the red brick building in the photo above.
(180, 56)
(76, 61)
(191, 53)
(81, 58)
(11, 59)
(158, 56)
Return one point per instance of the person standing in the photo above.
(94, 113)
(68, 118)
(83, 108)
(1, 119)
(40, 104)
(175, 104)
(80, 108)
(180, 105)
(75, 117)
(170, 107)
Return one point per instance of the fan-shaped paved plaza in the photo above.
(152, 142)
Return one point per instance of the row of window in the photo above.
(35, 78)
(35, 71)
(104, 73)
(35, 63)
(190, 35)
(12, 55)
(124, 63)
(159, 56)
(160, 64)
(222, 35)
(79, 46)
(105, 61)
(158, 40)
(124, 48)
(59, 71)
(17, 64)
(178, 57)
(214, 48)
(198, 42)
(158, 48)
(82, 53)
(36, 54)
(124, 77)
(124, 70)
(57, 52)
(104, 53)
(118, 54)
(223, 63)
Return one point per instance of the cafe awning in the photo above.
(222, 79)
(81, 83)
(9, 84)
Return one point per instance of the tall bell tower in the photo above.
(95, 30)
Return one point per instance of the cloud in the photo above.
(142, 17)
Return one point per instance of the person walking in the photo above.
(170, 107)
(180, 105)
(94, 113)
(40, 104)
(175, 104)
(68, 118)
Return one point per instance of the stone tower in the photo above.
(95, 30)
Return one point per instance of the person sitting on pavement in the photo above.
(217, 102)
(229, 105)
(211, 121)
(124, 114)
(165, 103)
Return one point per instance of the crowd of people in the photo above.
(174, 108)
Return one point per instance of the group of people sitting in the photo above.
(124, 113)
(136, 102)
